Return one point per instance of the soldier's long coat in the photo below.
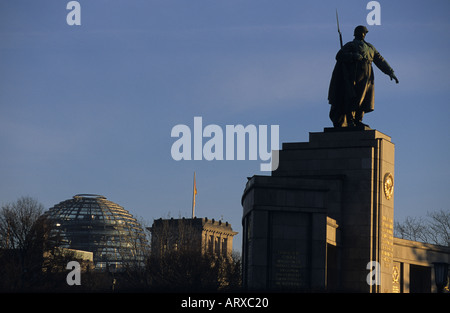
(352, 82)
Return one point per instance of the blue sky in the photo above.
(90, 108)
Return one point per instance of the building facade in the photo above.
(414, 266)
(199, 235)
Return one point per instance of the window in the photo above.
(217, 245)
(211, 244)
(224, 246)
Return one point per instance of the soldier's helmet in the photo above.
(360, 29)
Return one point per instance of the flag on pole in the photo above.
(193, 197)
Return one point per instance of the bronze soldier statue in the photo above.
(351, 92)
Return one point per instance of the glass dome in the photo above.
(91, 223)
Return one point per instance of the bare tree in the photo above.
(434, 228)
(411, 228)
(26, 236)
(17, 221)
(22, 237)
(439, 227)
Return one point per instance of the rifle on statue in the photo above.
(339, 31)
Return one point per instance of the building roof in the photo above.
(92, 223)
(201, 223)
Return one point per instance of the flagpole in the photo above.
(194, 191)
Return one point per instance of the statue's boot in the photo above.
(351, 120)
(358, 119)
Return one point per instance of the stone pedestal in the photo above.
(323, 216)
